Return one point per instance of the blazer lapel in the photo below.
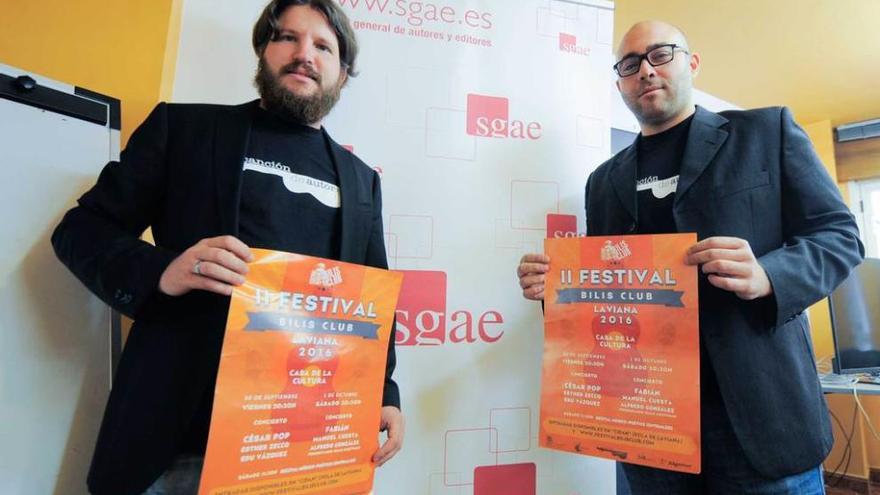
(704, 140)
(623, 179)
(230, 145)
(348, 187)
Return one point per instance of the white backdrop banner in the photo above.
(484, 119)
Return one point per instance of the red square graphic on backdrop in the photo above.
(483, 111)
(561, 225)
(506, 479)
(566, 41)
(421, 308)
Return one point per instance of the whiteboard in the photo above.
(54, 345)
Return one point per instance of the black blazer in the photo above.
(181, 175)
(754, 175)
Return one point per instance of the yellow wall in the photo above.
(754, 51)
(113, 47)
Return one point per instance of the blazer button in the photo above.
(631, 228)
(123, 297)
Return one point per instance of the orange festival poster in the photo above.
(299, 391)
(621, 372)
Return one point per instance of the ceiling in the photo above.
(821, 58)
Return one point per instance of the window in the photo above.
(865, 201)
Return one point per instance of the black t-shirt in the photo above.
(289, 191)
(289, 202)
(659, 161)
(659, 164)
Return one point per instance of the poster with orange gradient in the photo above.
(299, 391)
(621, 372)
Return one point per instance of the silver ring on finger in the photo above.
(197, 268)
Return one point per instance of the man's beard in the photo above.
(650, 114)
(659, 112)
(278, 99)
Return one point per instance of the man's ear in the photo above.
(695, 64)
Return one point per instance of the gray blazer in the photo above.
(754, 175)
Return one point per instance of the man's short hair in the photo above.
(266, 28)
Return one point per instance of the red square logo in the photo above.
(507, 479)
(487, 116)
(567, 41)
(421, 308)
(561, 226)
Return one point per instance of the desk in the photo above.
(850, 427)
(838, 385)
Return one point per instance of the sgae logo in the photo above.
(422, 317)
(489, 116)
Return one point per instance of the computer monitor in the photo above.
(855, 321)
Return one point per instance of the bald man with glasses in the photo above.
(774, 238)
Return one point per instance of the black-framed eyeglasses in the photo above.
(659, 55)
